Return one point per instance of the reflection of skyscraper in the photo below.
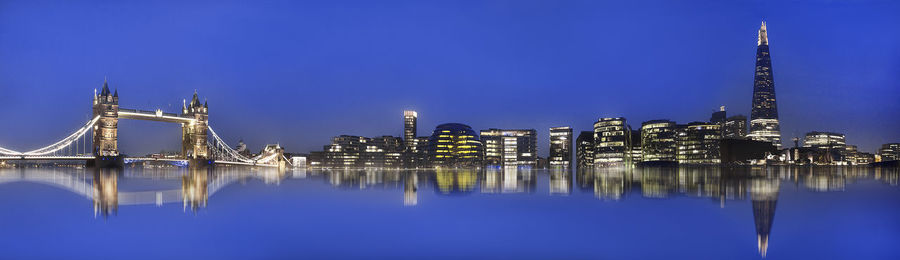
(764, 194)
(764, 114)
(410, 189)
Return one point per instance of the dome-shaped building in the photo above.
(455, 145)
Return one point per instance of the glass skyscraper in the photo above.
(764, 114)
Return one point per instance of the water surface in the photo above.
(507, 213)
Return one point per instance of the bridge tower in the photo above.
(106, 105)
(193, 135)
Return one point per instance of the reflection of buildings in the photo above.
(106, 192)
(611, 183)
(455, 181)
(764, 194)
(561, 182)
(410, 189)
(510, 179)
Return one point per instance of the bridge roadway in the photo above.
(127, 160)
(82, 183)
(157, 115)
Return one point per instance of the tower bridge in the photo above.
(97, 141)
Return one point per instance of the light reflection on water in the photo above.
(113, 191)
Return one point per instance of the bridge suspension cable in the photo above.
(222, 150)
(68, 145)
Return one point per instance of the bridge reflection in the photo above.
(101, 185)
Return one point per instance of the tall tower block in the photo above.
(764, 124)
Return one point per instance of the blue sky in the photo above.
(297, 73)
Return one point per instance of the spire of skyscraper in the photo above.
(763, 37)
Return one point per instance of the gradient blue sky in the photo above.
(298, 73)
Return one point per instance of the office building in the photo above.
(560, 146)
(637, 155)
(410, 119)
(509, 147)
(735, 127)
(612, 140)
(698, 143)
(347, 151)
(889, 152)
(584, 149)
(454, 145)
(658, 141)
(764, 124)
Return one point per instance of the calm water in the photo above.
(240, 213)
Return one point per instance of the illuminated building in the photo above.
(106, 105)
(509, 147)
(718, 117)
(454, 145)
(348, 151)
(560, 146)
(831, 146)
(853, 156)
(764, 113)
(637, 154)
(584, 149)
(889, 152)
(698, 143)
(409, 128)
(658, 141)
(612, 140)
(735, 127)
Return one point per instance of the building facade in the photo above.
(735, 127)
(658, 141)
(612, 140)
(509, 147)
(347, 151)
(560, 146)
(410, 131)
(699, 143)
(764, 124)
(454, 145)
(889, 152)
(584, 149)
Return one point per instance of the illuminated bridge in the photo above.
(97, 140)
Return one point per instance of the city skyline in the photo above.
(260, 115)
